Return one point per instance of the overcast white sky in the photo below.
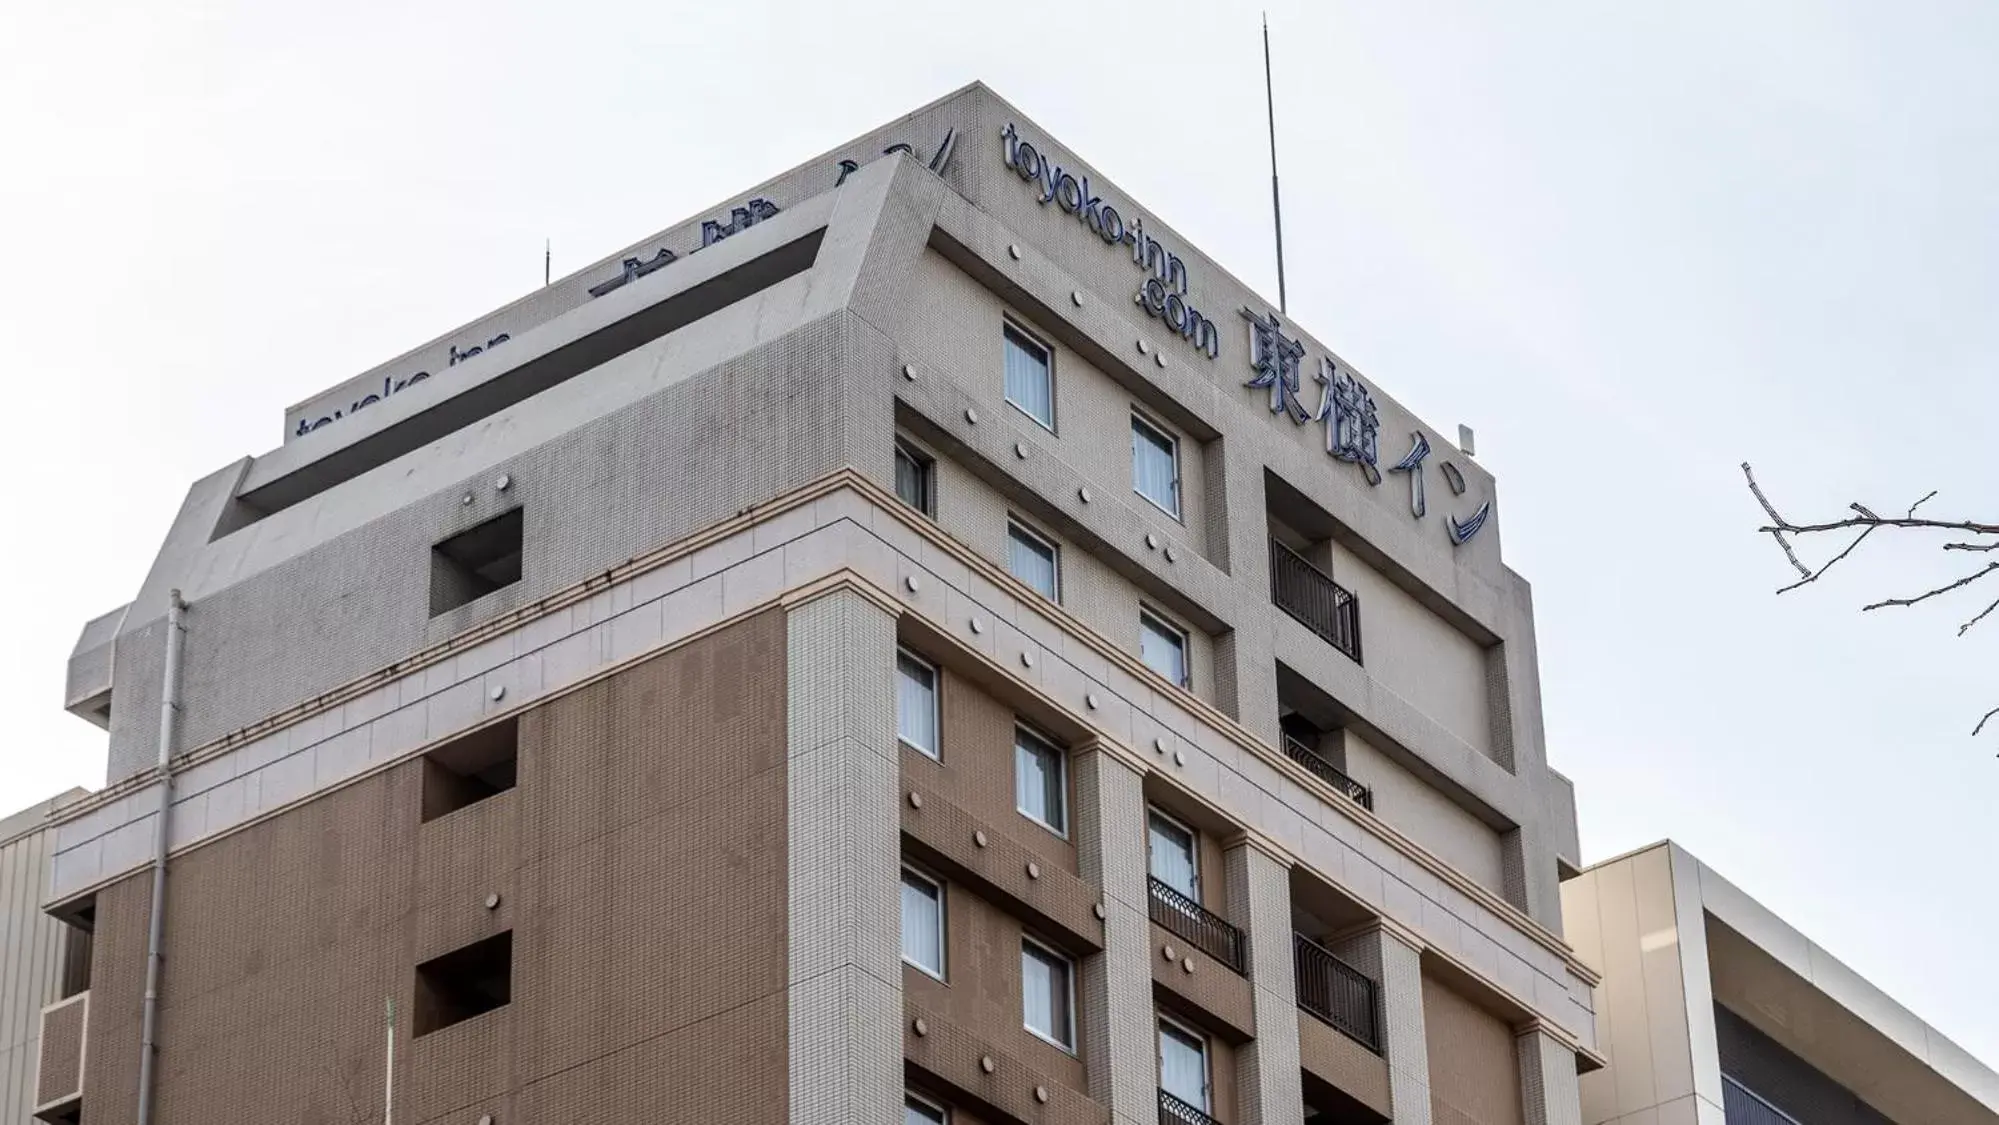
(1632, 244)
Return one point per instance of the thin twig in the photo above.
(1971, 546)
(1928, 594)
(1813, 576)
(1882, 521)
(1983, 721)
(1775, 518)
(1966, 627)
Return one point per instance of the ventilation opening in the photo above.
(464, 983)
(468, 770)
(476, 562)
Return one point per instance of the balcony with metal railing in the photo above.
(1195, 924)
(1742, 1106)
(1173, 1111)
(1327, 772)
(1336, 993)
(1317, 602)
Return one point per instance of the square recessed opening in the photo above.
(464, 983)
(476, 562)
(468, 770)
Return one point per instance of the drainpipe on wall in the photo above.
(169, 711)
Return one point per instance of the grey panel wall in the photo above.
(32, 944)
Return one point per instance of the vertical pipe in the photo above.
(155, 924)
(389, 1067)
(1276, 205)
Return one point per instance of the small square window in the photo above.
(1155, 465)
(916, 720)
(915, 478)
(1163, 647)
(1040, 784)
(923, 923)
(476, 562)
(1030, 383)
(1034, 560)
(464, 983)
(919, 1111)
(470, 769)
(1047, 994)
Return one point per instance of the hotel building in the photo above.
(918, 637)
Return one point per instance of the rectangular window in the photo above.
(916, 702)
(918, 1111)
(1033, 560)
(1040, 787)
(1155, 465)
(1163, 647)
(476, 562)
(464, 983)
(1030, 384)
(1047, 994)
(1171, 854)
(915, 477)
(923, 923)
(1183, 1064)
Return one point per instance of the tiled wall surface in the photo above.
(1474, 1074)
(842, 529)
(646, 827)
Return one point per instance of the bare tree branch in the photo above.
(1867, 521)
(1928, 594)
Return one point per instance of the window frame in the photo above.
(1193, 847)
(1061, 757)
(1017, 526)
(934, 753)
(913, 1100)
(1140, 420)
(1207, 1103)
(1068, 965)
(1032, 340)
(1167, 625)
(943, 926)
(926, 467)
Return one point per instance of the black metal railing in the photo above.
(1203, 929)
(1319, 603)
(1327, 772)
(1742, 1106)
(1337, 993)
(1173, 1111)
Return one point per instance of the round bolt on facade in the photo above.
(485, 1119)
(1083, 494)
(979, 837)
(499, 692)
(1159, 745)
(909, 583)
(987, 1064)
(971, 416)
(916, 800)
(493, 901)
(920, 1027)
(909, 371)
(978, 626)
(1027, 660)
(1179, 758)
(1143, 347)
(1020, 450)
(1013, 252)
(1099, 911)
(1041, 1093)
(1187, 965)
(1159, 358)
(1076, 297)
(1168, 952)
(505, 482)
(466, 500)
(1152, 542)
(1090, 701)
(1171, 555)
(1033, 870)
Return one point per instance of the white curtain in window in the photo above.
(1037, 780)
(1028, 385)
(1164, 650)
(1153, 471)
(1172, 853)
(916, 703)
(1183, 1066)
(1044, 993)
(1031, 561)
(922, 932)
(918, 1113)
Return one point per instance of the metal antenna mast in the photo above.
(1276, 203)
